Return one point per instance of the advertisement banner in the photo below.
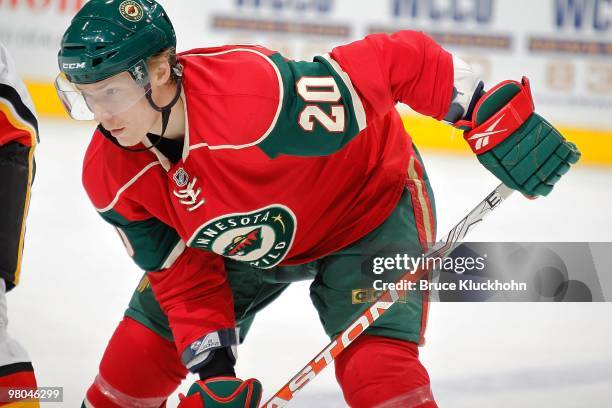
(563, 46)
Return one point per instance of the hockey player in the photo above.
(18, 138)
(231, 171)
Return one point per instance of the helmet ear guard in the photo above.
(140, 74)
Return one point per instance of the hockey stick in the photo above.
(441, 249)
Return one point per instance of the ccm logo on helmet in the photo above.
(73, 65)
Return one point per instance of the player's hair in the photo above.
(166, 55)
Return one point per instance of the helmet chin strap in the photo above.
(165, 112)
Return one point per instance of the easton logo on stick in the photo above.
(333, 349)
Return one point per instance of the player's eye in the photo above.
(112, 92)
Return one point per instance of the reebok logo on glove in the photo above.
(483, 137)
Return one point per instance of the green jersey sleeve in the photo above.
(321, 111)
(152, 244)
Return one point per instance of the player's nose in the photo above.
(102, 115)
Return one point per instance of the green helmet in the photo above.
(107, 37)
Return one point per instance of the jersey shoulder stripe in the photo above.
(108, 174)
(234, 96)
(126, 186)
(117, 182)
(358, 109)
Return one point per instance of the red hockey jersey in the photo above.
(283, 162)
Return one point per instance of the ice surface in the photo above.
(77, 280)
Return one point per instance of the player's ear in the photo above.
(159, 73)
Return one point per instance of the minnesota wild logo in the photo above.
(243, 244)
(131, 11)
(261, 238)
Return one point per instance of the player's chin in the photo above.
(128, 141)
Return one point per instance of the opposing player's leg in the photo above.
(16, 175)
(382, 365)
(16, 370)
(141, 366)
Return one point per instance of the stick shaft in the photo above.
(441, 249)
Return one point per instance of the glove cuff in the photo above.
(498, 114)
